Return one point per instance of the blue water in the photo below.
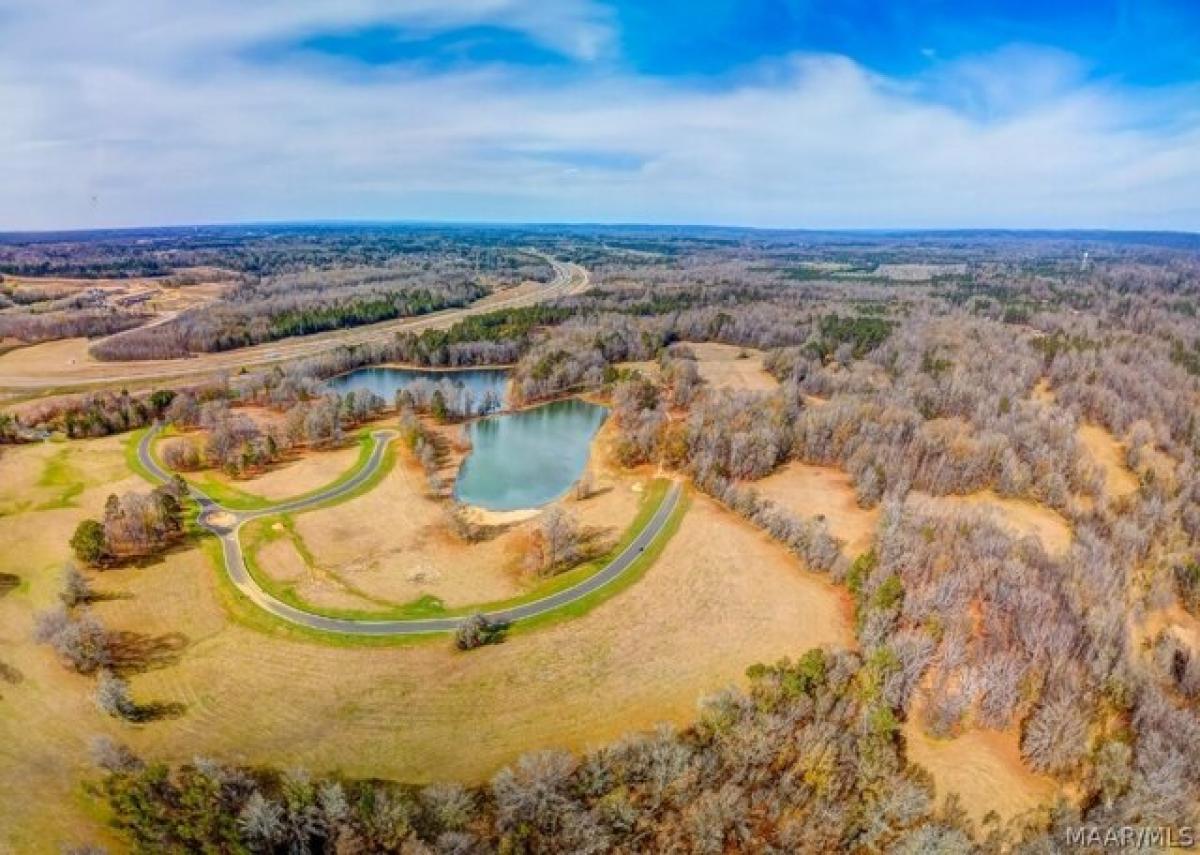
(385, 381)
(528, 458)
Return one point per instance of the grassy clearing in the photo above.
(260, 532)
(60, 475)
(632, 574)
(256, 690)
(720, 595)
(983, 768)
(1104, 448)
(823, 491)
(1020, 517)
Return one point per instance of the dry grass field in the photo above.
(1021, 517)
(57, 475)
(983, 767)
(46, 713)
(725, 366)
(1110, 454)
(721, 597)
(814, 491)
(722, 366)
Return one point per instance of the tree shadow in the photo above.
(10, 675)
(496, 632)
(595, 541)
(135, 652)
(108, 596)
(8, 583)
(594, 492)
(159, 711)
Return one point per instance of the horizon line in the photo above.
(6, 234)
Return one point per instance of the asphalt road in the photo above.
(235, 563)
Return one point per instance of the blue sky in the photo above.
(759, 112)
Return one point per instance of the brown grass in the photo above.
(722, 366)
(46, 714)
(721, 597)
(983, 767)
(823, 491)
(1110, 454)
(1021, 517)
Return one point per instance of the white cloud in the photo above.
(121, 113)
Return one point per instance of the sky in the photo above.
(773, 113)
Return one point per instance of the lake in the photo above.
(526, 459)
(385, 381)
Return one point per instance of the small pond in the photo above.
(528, 458)
(384, 382)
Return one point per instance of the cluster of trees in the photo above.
(90, 415)
(33, 327)
(493, 338)
(77, 636)
(556, 543)
(255, 315)
(447, 399)
(426, 448)
(942, 406)
(723, 436)
(808, 760)
(476, 631)
(134, 525)
(83, 644)
(236, 444)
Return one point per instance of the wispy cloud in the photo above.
(133, 112)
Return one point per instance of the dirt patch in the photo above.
(1176, 620)
(823, 491)
(482, 516)
(1043, 393)
(725, 366)
(983, 767)
(1020, 517)
(1110, 454)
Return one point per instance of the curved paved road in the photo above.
(569, 279)
(235, 563)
